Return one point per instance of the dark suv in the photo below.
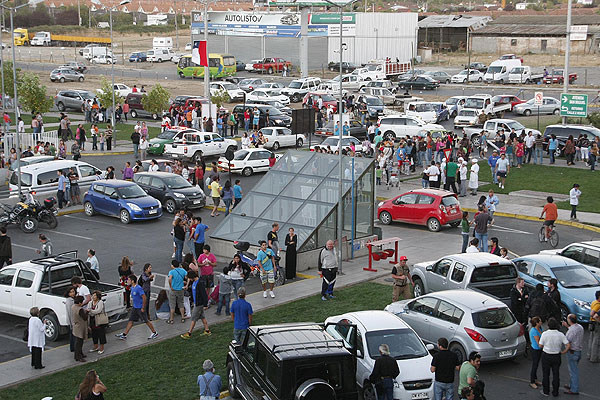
(171, 190)
(276, 117)
(563, 132)
(291, 361)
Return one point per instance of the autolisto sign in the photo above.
(243, 18)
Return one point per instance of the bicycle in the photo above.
(553, 236)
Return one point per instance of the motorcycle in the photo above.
(21, 214)
(250, 259)
(45, 213)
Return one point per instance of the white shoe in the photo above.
(265, 294)
(272, 294)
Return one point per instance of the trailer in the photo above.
(50, 39)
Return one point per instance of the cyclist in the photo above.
(551, 212)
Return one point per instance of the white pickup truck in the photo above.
(195, 144)
(492, 126)
(524, 74)
(484, 104)
(43, 282)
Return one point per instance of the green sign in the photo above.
(573, 105)
(332, 18)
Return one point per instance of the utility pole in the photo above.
(206, 69)
(176, 30)
(567, 54)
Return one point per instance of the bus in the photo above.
(220, 66)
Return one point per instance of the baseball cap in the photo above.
(403, 258)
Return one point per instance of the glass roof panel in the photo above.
(319, 165)
(292, 161)
(281, 209)
(302, 187)
(253, 206)
(232, 227)
(328, 191)
(258, 232)
(273, 182)
(311, 214)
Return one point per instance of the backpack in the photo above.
(538, 307)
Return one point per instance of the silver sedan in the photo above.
(471, 321)
(66, 74)
(550, 105)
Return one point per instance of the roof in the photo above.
(52, 164)
(479, 259)
(551, 260)
(160, 174)
(116, 183)
(454, 21)
(468, 298)
(433, 192)
(533, 20)
(299, 340)
(376, 320)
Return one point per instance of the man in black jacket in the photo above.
(385, 369)
(200, 299)
(539, 304)
(518, 303)
(554, 295)
(5, 248)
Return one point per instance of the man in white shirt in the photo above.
(82, 290)
(93, 260)
(502, 169)
(529, 142)
(434, 175)
(574, 201)
(473, 246)
(552, 342)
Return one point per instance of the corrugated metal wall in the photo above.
(379, 35)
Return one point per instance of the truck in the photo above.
(383, 69)
(165, 43)
(195, 145)
(524, 74)
(50, 39)
(21, 37)
(41, 39)
(271, 65)
(498, 70)
(43, 282)
(492, 126)
(484, 104)
(90, 53)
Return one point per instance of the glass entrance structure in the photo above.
(301, 191)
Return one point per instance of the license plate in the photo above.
(420, 396)
(452, 211)
(505, 353)
(197, 201)
(152, 211)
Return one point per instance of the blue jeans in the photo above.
(573, 359)
(425, 183)
(539, 155)
(247, 125)
(224, 301)
(388, 390)
(440, 389)
(429, 155)
(239, 335)
(178, 249)
(552, 155)
(136, 150)
(483, 241)
(494, 176)
(237, 284)
(227, 205)
(465, 241)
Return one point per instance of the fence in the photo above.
(29, 139)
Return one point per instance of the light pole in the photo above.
(567, 55)
(176, 29)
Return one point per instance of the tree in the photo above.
(220, 98)
(105, 94)
(32, 94)
(156, 101)
(8, 78)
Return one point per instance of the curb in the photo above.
(67, 212)
(224, 394)
(112, 153)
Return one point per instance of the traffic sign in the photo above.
(538, 98)
(447, 153)
(573, 105)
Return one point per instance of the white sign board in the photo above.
(345, 119)
(538, 98)
(579, 32)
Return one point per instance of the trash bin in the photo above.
(378, 231)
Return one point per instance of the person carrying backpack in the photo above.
(539, 304)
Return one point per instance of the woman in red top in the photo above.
(125, 109)
(272, 160)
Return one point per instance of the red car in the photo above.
(505, 99)
(328, 100)
(557, 76)
(271, 65)
(430, 207)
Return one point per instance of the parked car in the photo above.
(43, 177)
(259, 94)
(122, 199)
(240, 66)
(440, 76)
(250, 66)
(278, 137)
(558, 76)
(120, 89)
(159, 55)
(441, 110)
(66, 74)
(506, 99)
(179, 101)
(374, 328)
(550, 106)
(587, 253)
(290, 362)
(273, 103)
(271, 65)
(298, 88)
(328, 100)
(423, 110)
(247, 161)
(510, 57)
(357, 129)
(473, 76)
(471, 321)
(188, 46)
(562, 132)
(481, 67)
(171, 190)
(396, 126)
(103, 59)
(137, 108)
(455, 104)
(24, 161)
(249, 84)
(381, 84)
(138, 56)
(419, 82)
(375, 106)
(576, 284)
(276, 117)
(466, 117)
(156, 146)
(271, 85)
(195, 145)
(75, 65)
(413, 73)
(333, 142)
(388, 97)
(347, 67)
(430, 207)
(234, 93)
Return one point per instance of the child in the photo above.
(504, 252)
(200, 301)
(378, 174)
(225, 290)
(36, 338)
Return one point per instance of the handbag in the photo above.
(101, 319)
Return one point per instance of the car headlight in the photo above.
(159, 203)
(156, 145)
(380, 204)
(582, 304)
(179, 195)
(134, 207)
(278, 121)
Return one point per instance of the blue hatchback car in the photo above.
(138, 56)
(576, 284)
(122, 199)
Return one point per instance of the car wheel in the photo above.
(453, 115)
(62, 80)
(197, 157)
(170, 206)
(480, 79)
(81, 79)
(247, 171)
(418, 288)
(125, 217)
(389, 135)
(295, 98)
(181, 75)
(476, 140)
(270, 71)
(232, 383)
(51, 326)
(299, 143)
(459, 351)
(134, 114)
(29, 224)
(275, 146)
(433, 224)
(385, 218)
(527, 113)
(556, 112)
(60, 106)
(369, 392)
(160, 60)
(88, 208)
(155, 116)
(465, 80)
(447, 81)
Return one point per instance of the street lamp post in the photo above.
(176, 27)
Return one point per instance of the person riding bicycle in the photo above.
(551, 212)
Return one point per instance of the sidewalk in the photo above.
(60, 358)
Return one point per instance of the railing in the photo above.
(29, 139)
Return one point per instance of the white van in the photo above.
(162, 43)
(159, 55)
(499, 69)
(43, 177)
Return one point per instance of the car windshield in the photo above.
(451, 101)
(493, 318)
(404, 344)
(327, 97)
(495, 69)
(273, 111)
(424, 107)
(493, 273)
(131, 192)
(25, 179)
(229, 86)
(295, 85)
(86, 95)
(474, 103)
(463, 72)
(374, 101)
(515, 125)
(176, 182)
(575, 276)
(449, 201)
(467, 113)
(371, 67)
(557, 72)
(517, 70)
(240, 155)
(167, 135)
(245, 81)
(332, 141)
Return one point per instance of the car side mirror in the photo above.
(429, 268)
(430, 347)
(359, 353)
(114, 196)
